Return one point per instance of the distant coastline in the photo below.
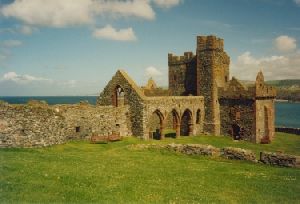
(285, 101)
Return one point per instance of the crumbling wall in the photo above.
(240, 112)
(38, 124)
(84, 120)
(30, 125)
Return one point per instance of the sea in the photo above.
(287, 114)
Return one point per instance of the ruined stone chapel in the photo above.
(201, 99)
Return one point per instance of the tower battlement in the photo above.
(211, 42)
(174, 59)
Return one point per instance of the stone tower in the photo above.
(212, 73)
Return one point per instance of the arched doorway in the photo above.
(172, 124)
(118, 96)
(156, 125)
(236, 131)
(186, 124)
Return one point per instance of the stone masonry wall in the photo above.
(30, 126)
(38, 124)
(182, 74)
(133, 96)
(265, 120)
(86, 120)
(178, 104)
(238, 112)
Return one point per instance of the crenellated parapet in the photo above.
(177, 60)
(210, 42)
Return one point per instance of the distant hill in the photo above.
(287, 89)
(292, 84)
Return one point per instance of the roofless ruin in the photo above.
(201, 99)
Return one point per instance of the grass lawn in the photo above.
(83, 172)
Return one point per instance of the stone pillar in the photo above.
(162, 127)
(177, 130)
(191, 128)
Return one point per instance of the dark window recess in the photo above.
(77, 129)
(117, 125)
(198, 117)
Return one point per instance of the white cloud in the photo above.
(70, 83)
(13, 76)
(153, 72)
(285, 43)
(134, 8)
(109, 32)
(11, 43)
(297, 2)
(63, 13)
(166, 3)
(54, 13)
(274, 67)
(27, 30)
(3, 57)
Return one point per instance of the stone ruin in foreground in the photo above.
(201, 99)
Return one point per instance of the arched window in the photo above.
(118, 96)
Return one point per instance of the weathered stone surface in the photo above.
(36, 124)
(201, 99)
(143, 108)
(105, 138)
(195, 149)
(280, 159)
(231, 108)
(238, 154)
(30, 125)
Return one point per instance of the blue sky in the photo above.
(66, 47)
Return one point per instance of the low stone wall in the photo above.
(227, 153)
(238, 154)
(290, 130)
(279, 159)
(194, 149)
(37, 124)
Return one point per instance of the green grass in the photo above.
(79, 172)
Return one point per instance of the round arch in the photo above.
(118, 96)
(156, 125)
(172, 124)
(186, 123)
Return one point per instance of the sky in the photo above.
(68, 47)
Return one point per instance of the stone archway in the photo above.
(236, 131)
(156, 125)
(172, 124)
(186, 124)
(118, 96)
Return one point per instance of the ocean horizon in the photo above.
(287, 114)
